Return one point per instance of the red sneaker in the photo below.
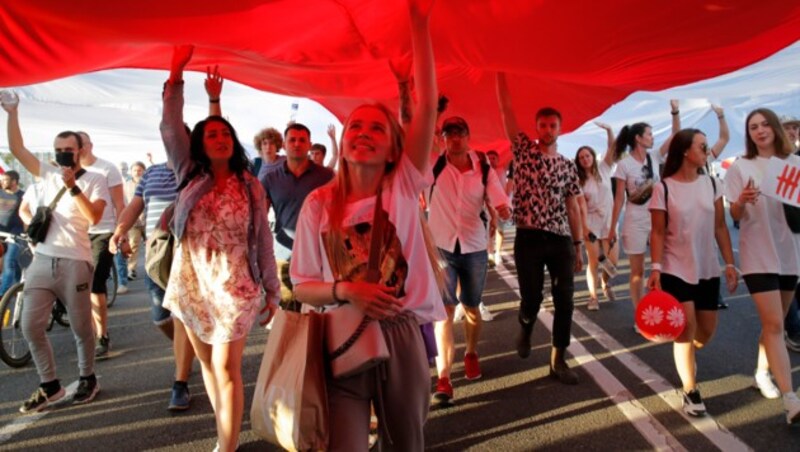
(472, 369)
(444, 392)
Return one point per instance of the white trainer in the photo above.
(763, 382)
(486, 314)
(459, 315)
(791, 406)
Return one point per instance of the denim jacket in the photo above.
(259, 237)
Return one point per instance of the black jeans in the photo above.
(533, 251)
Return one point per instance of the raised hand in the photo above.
(180, 58)
(401, 68)
(602, 125)
(718, 110)
(213, 83)
(332, 131)
(674, 104)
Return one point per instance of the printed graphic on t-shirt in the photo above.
(355, 248)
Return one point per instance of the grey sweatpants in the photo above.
(399, 388)
(69, 280)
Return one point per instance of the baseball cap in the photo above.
(455, 123)
(786, 119)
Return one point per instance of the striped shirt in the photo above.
(158, 188)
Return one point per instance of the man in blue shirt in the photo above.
(287, 187)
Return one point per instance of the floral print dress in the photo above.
(210, 287)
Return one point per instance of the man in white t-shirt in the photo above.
(62, 265)
(100, 234)
(463, 181)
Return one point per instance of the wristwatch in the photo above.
(75, 190)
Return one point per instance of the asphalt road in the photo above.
(626, 399)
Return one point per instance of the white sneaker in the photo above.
(498, 259)
(763, 382)
(693, 404)
(459, 315)
(122, 289)
(486, 315)
(791, 406)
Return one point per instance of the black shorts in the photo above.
(767, 282)
(103, 260)
(704, 294)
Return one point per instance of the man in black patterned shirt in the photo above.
(548, 223)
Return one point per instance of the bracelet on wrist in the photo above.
(333, 292)
(656, 267)
(577, 242)
(675, 112)
(720, 116)
(214, 101)
(730, 266)
(75, 190)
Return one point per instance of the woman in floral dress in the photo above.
(224, 263)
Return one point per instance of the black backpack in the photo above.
(441, 162)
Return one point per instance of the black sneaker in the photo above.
(792, 342)
(524, 338)
(102, 348)
(693, 404)
(39, 400)
(87, 390)
(132, 274)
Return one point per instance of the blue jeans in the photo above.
(122, 269)
(470, 270)
(11, 269)
(160, 315)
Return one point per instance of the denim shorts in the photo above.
(468, 269)
(160, 315)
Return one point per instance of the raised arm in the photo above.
(608, 157)
(675, 112)
(401, 68)
(15, 143)
(724, 132)
(423, 123)
(334, 147)
(213, 85)
(173, 133)
(506, 111)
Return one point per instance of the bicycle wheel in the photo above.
(59, 313)
(14, 350)
(111, 285)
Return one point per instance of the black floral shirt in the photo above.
(542, 185)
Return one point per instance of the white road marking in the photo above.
(644, 421)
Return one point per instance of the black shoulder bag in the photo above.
(40, 223)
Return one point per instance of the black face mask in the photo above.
(65, 159)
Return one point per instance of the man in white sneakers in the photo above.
(62, 265)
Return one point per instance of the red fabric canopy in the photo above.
(580, 57)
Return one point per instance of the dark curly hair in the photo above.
(239, 163)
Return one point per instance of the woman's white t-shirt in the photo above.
(689, 243)
(766, 244)
(633, 172)
(404, 264)
(599, 200)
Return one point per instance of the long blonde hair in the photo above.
(339, 187)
